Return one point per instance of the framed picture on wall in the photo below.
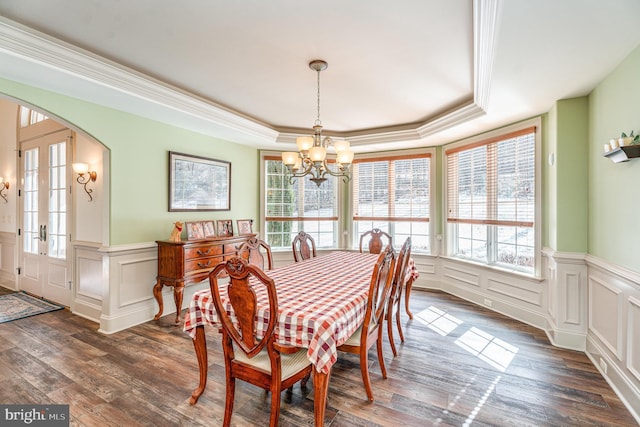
(245, 226)
(209, 229)
(195, 230)
(225, 227)
(198, 183)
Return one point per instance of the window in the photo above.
(491, 200)
(30, 117)
(301, 205)
(392, 194)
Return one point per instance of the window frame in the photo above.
(338, 220)
(450, 238)
(399, 155)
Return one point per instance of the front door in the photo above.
(44, 229)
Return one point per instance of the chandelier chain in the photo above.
(318, 122)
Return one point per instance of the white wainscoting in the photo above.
(613, 336)
(8, 263)
(130, 274)
(90, 285)
(514, 295)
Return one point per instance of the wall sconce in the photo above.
(81, 169)
(4, 186)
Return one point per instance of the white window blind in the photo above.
(491, 198)
(393, 194)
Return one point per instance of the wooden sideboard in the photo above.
(190, 261)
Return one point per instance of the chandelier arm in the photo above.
(344, 172)
(308, 166)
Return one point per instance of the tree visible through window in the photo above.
(491, 200)
(299, 205)
(392, 194)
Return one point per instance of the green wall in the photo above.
(139, 164)
(571, 174)
(614, 188)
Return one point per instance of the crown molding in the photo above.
(40, 49)
(485, 33)
(177, 107)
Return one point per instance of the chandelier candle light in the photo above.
(312, 156)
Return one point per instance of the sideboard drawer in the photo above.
(195, 266)
(203, 251)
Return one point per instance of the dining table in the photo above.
(321, 302)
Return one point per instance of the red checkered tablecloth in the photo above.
(321, 302)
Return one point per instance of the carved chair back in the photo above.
(376, 243)
(252, 252)
(304, 247)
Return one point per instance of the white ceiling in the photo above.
(401, 74)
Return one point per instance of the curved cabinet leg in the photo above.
(178, 291)
(157, 293)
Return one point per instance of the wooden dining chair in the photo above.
(262, 362)
(252, 252)
(375, 240)
(399, 278)
(304, 247)
(370, 331)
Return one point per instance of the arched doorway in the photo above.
(48, 215)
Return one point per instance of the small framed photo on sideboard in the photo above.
(209, 229)
(195, 230)
(245, 226)
(225, 227)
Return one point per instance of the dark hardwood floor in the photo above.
(461, 365)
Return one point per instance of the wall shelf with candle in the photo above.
(623, 154)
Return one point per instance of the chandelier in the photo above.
(311, 158)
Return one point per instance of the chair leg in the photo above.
(200, 346)
(275, 405)
(228, 404)
(381, 356)
(399, 325)
(364, 369)
(398, 321)
(398, 304)
(407, 294)
(305, 380)
(390, 331)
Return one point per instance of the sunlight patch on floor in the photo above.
(438, 320)
(461, 395)
(481, 402)
(488, 348)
